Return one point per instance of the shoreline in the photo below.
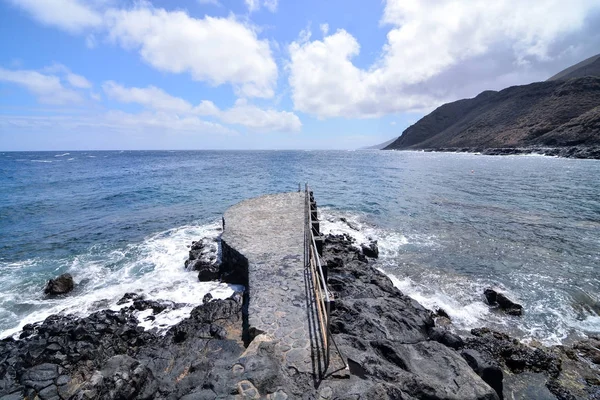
(573, 152)
(384, 335)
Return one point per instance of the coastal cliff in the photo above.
(558, 117)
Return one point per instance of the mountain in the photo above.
(587, 67)
(380, 145)
(559, 116)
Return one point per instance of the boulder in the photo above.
(494, 298)
(371, 249)
(60, 285)
(208, 273)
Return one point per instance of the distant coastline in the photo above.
(577, 152)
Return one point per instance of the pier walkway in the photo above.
(268, 235)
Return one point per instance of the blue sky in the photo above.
(265, 74)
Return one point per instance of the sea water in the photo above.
(448, 226)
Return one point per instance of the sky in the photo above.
(265, 74)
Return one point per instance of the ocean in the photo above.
(448, 226)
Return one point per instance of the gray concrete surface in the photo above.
(269, 232)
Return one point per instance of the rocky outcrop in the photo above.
(203, 258)
(62, 284)
(385, 336)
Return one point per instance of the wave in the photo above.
(550, 316)
(153, 268)
(62, 155)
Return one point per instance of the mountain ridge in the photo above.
(562, 112)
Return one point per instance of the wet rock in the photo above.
(208, 272)
(60, 285)
(516, 356)
(127, 297)
(156, 306)
(350, 224)
(207, 297)
(371, 249)
(440, 312)
(445, 337)
(384, 335)
(488, 370)
(504, 303)
(490, 296)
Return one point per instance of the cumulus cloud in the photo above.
(72, 16)
(215, 50)
(47, 88)
(426, 39)
(242, 113)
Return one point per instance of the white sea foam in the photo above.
(154, 268)
(42, 161)
(550, 320)
(62, 155)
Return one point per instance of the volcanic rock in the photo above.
(60, 285)
(503, 302)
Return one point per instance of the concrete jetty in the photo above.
(265, 235)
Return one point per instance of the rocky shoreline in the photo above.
(395, 349)
(578, 152)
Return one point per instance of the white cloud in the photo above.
(261, 120)
(216, 50)
(254, 5)
(78, 81)
(162, 121)
(117, 121)
(324, 29)
(210, 2)
(426, 38)
(150, 97)
(271, 5)
(47, 88)
(70, 15)
(206, 107)
(242, 113)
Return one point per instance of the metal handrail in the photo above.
(319, 282)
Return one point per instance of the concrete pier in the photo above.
(265, 235)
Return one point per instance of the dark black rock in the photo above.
(60, 285)
(445, 337)
(371, 250)
(127, 297)
(504, 303)
(490, 296)
(157, 307)
(508, 305)
(196, 250)
(488, 370)
(208, 273)
(207, 297)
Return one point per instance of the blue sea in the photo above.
(448, 226)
